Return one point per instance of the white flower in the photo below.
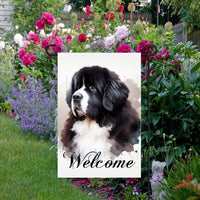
(16, 27)
(2, 44)
(18, 39)
(42, 33)
(60, 25)
(87, 46)
(66, 30)
(110, 42)
(89, 35)
(122, 32)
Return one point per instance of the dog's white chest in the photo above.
(91, 137)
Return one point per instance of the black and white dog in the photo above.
(101, 118)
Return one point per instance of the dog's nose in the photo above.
(77, 97)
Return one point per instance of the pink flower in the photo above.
(124, 48)
(28, 59)
(122, 32)
(164, 54)
(22, 77)
(21, 53)
(88, 12)
(13, 115)
(110, 16)
(59, 45)
(46, 20)
(26, 43)
(82, 37)
(33, 37)
(49, 18)
(77, 27)
(40, 23)
(45, 43)
(110, 42)
(143, 49)
(175, 61)
(111, 197)
(82, 19)
(121, 8)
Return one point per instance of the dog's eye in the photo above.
(92, 88)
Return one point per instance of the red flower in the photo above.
(124, 48)
(22, 77)
(69, 39)
(143, 49)
(88, 12)
(110, 16)
(121, 8)
(82, 37)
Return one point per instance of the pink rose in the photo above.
(45, 43)
(13, 115)
(28, 59)
(124, 48)
(49, 18)
(110, 42)
(59, 45)
(122, 32)
(34, 37)
(46, 20)
(82, 37)
(77, 27)
(21, 53)
(88, 12)
(40, 23)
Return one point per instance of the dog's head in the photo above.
(95, 90)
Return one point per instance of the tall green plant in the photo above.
(27, 12)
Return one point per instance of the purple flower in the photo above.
(136, 191)
(36, 108)
(110, 42)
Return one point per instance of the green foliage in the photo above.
(27, 12)
(7, 72)
(5, 107)
(182, 167)
(78, 5)
(188, 10)
(174, 105)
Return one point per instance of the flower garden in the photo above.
(28, 93)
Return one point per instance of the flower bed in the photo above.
(174, 82)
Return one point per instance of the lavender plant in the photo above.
(36, 108)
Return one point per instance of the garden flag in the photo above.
(99, 106)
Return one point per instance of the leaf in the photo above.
(192, 198)
(155, 119)
(195, 68)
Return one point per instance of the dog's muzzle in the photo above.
(76, 98)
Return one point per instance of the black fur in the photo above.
(108, 104)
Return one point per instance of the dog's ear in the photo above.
(71, 89)
(115, 94)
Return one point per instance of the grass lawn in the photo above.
(28, 168)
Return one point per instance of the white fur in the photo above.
(91, 137)
(84, 100)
